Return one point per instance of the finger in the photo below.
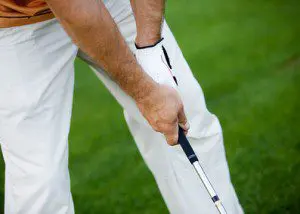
(182, 121)
(172, 135)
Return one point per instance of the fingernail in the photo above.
(187, 125)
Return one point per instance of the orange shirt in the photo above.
(22, 12)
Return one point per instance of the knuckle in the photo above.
(169, 128)
(173, 140)
(156, 129)
(164, 126)
(161, 127)
(183, 122)
(154, 126)
(181, 107)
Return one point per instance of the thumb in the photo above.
(182, 120)
(172, 135)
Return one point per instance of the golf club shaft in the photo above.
(188, 150)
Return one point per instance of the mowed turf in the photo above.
(246, 56)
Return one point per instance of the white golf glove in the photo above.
(156, 63)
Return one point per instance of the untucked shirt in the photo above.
(22, 12)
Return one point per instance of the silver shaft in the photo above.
(209, 187)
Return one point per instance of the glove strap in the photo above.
(149, 46)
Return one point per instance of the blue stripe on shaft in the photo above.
(215, 198)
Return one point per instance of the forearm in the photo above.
(149, 15)
(91, 27)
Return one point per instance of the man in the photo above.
(36, 88)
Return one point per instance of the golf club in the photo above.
(188, 150)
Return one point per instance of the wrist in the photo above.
(138, 47)
(145, 42)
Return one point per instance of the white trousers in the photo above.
(36, 88)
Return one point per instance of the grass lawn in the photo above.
(246, 56)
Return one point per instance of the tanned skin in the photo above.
(93, 30)
(149, 15)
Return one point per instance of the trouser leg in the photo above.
(36, 89)
(181, 189)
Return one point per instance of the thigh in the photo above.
(36, 88)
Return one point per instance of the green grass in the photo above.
(246, 55)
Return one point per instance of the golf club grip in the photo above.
(186, 146)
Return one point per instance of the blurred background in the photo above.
(246, 56)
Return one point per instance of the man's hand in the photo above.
(166, 111)
(163, 109)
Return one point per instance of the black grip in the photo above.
(186, 146)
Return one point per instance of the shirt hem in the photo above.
(6, 22)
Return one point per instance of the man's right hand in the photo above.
(164, 111)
